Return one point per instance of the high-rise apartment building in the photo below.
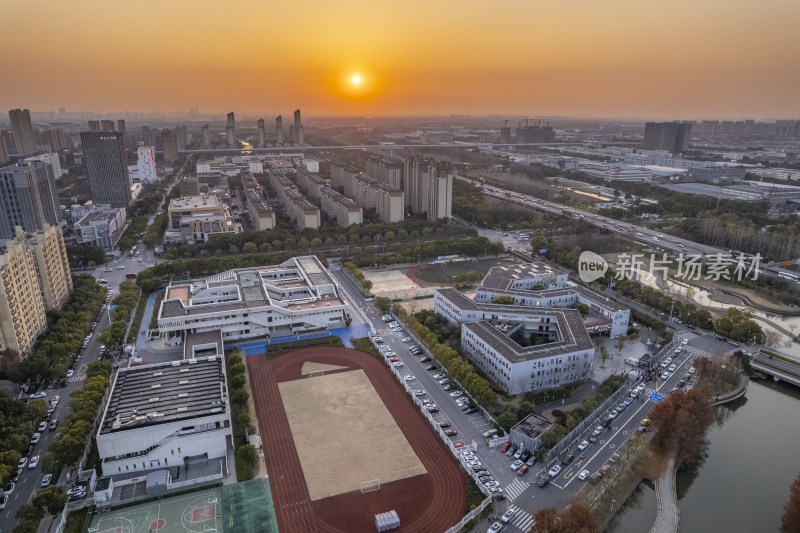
(28, 198)
(94, 125)
(56, 139)
(279, 128)
(206, 137)
(180, 136)
(106, 165)
(262, 135)
(22, 312)
(34, 277)
(4, 158)
(51, 159)
(230, 131)
(38, 141)
(121, 125)
(52, 266)
(170, 142)
(150, 137)
(385, 170)
(146, 164)
(535, 133)
(107, 125)
(23, 131)
(670, 136)
(429, 187)
(298, 128)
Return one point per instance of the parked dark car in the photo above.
(568, 459)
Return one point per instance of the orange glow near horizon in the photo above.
(619, 58)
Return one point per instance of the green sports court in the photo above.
(236, 508)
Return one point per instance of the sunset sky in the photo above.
(613, 58)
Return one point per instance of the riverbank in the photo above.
(667, 518)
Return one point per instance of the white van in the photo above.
(491, 433)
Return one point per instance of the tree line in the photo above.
(156, 230)
(125, 302)
(288, 237)
(353, 270)
(245, 454)
(457, 367)
(131, 234)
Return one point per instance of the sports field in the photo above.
(346, 409)
(339, 445)
(196, 512)
(238, 508)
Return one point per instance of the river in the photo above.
(741, 483)
(703, 297)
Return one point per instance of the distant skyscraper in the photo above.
(670, 136)
(106, 165)
(107, 125)
(170, 141)
(206, 137)
(150, 137)
(279, 128)
(3, 151)
(262, 135)
(23, 131)
(180, 134)
(28, 198)
(56, 139)
(94, 125)
(298, 128)
(121, 125)
(230, 131)
(38, 140)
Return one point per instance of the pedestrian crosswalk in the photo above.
(515, 488)
(521, 519)
(76, 378)
(697, 352)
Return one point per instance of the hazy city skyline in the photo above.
(582, 58)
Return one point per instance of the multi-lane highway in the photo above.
(652, 238)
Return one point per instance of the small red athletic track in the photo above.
(431, 502)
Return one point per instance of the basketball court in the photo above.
(240, 507)
(192, 513)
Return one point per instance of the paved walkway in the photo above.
(148, 313)
(668, 516)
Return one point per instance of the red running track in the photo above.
(428, 503)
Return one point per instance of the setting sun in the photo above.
(356, 79)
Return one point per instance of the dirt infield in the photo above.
(345, 406)
(430, 502)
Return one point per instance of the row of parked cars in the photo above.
(484, 476)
